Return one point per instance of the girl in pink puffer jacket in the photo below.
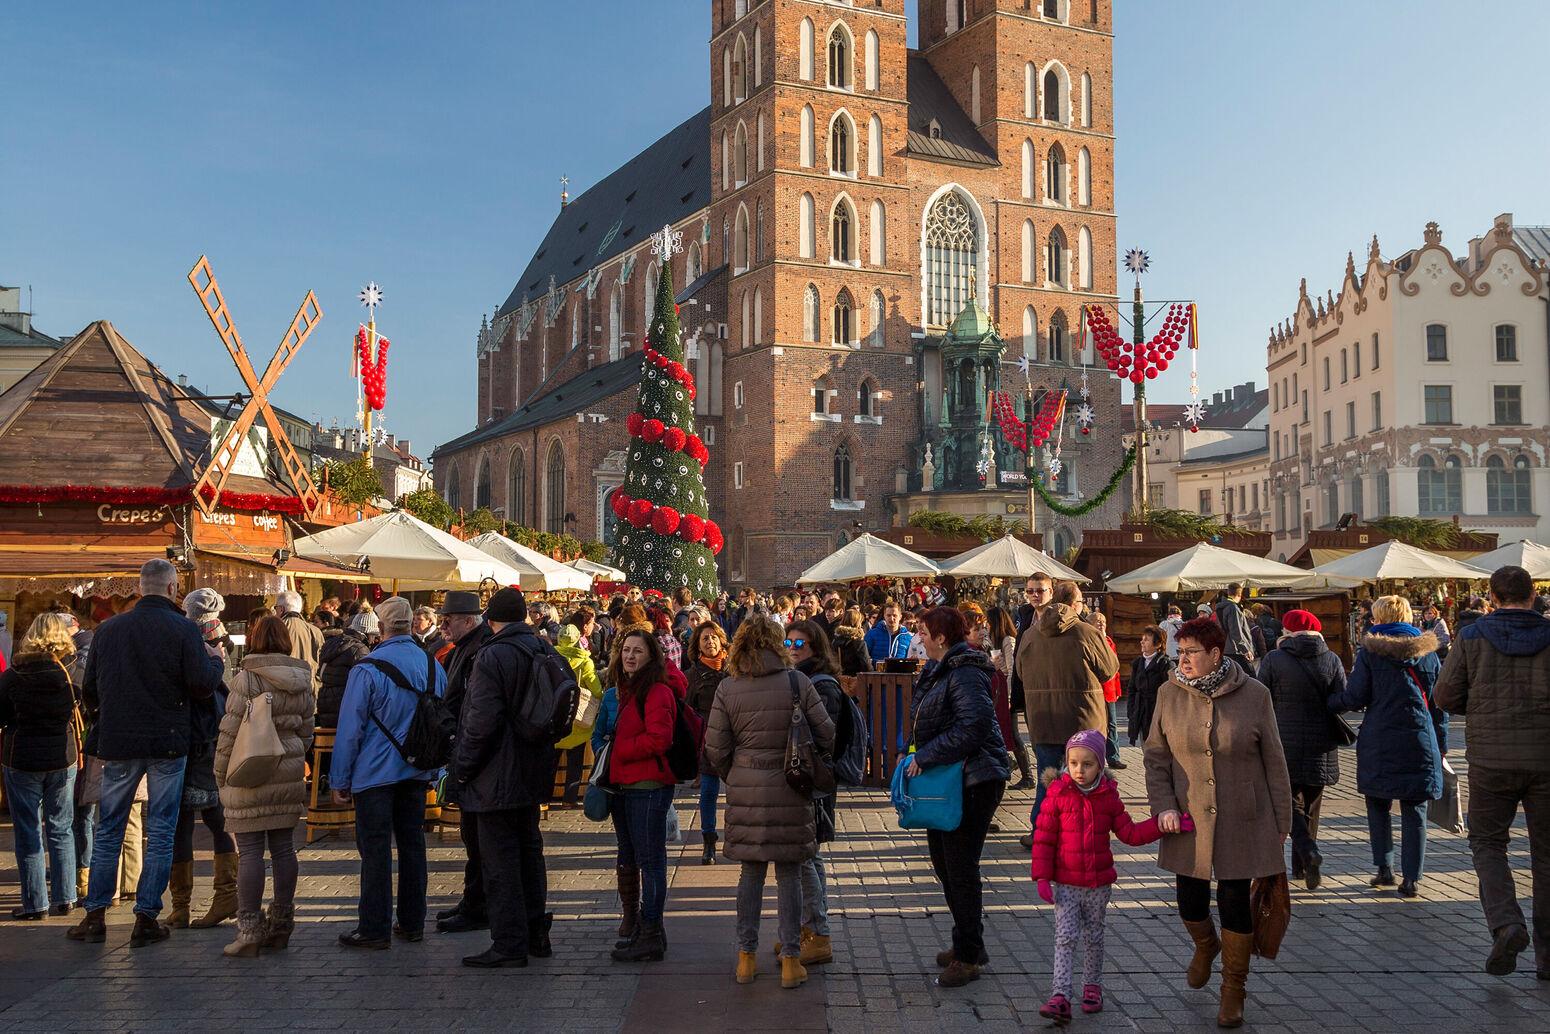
(1071, 851)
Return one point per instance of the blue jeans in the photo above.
(640, 822)
(1113, 737)
(1412, 826)
(710, 789)
(164, 780)
(42, 808)
(1045, 755)
(385, 815)
(81, 827)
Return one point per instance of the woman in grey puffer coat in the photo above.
(765, 820)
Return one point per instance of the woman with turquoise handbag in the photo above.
(955, 726)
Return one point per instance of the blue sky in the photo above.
(324, 145)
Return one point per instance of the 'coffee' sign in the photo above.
(142, 515)
(264, 521)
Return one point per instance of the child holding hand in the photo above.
(1074, 866)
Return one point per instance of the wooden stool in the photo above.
(323, 815)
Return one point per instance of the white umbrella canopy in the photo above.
(406, 551)
(1533, 557)
(1391, 559)
(596, 570)
(869, 557)
(1204, 566)
(1008, 557)
(539, 573)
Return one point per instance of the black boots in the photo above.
(628, 877)
(648, 945)
(538, 944)
(709, 858)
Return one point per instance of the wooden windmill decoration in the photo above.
(212, 480)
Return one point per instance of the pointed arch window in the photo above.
(726, 162)
(1053, 97)
(1508, 491)
(1029, 253)
(758, 235)
(615, 322)
(843, 243)
(823, 390)
(740, 242)
(1084, 177)
(1057, 337)
(516, 489)
(648, 300)
(1028, 168)
(866, 402)
(874, 146)
(805, 138)
(840, 51)
(1056, 257)
(1030, 91)
(842, 473)
(726, 239)
(810, 315)
(454, 491)
(951, 257)
(758, 58)
(974, 94)
(956, 14)
(747, 320)
(805, 50)
(740, 70)
(554, 489)
(1087, 99)
(740, 156)
(876, 314)
(758, 316)
(871, 59)
(693, 266)
(879, 231)
(842, 145)
(805, 231)
(844, 318)
(759, 150)
(726, 77)
(482, 486)
(1055, 175)
(1084, 259)
(1030, 335)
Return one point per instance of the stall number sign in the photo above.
(144, 515)
(266, 521)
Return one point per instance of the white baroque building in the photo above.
(1421, 389)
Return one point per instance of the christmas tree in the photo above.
(666, 538)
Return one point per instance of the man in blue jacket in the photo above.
(388, 792)
(146, 664)
(888, 639)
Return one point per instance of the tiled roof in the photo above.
(929, 98)
(664, 184)
(560, 404)
(1229, 414)
(10, 337)
(1534, 241)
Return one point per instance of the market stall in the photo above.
(1007, 557)
(399, 549)
(1533, 557)
(1392, 561)
(538, 572)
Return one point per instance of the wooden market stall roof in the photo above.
(98, 422)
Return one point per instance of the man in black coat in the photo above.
(501, 783)
(1240, 641)
(462, 620)
(146, 665)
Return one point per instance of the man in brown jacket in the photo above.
(1063, 664)
(306, 638)
(1498, 676)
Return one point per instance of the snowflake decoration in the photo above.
(1084, 414)
(1023, 366)
(667, 241)
(1137, 261)
(1195, 412)
(1055, 467)
(379, 435)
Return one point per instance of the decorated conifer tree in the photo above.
(666, 539)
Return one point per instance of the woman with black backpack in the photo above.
(815, 658)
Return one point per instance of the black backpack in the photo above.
(432, 730)
(683, 754)
(547, 710)
(851, 744)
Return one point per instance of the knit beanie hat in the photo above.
(203, 603)
(507, 606)
(365, 623)
(1300, 621)
(1090, 739)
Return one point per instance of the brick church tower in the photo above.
(843, 199)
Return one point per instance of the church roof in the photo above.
(563, 403)
(664, 184)
(930, 100)
(971, 326)
(99, 413)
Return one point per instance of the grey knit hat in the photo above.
(203, 603)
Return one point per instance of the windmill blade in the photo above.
(301, 327)
(299, 475)
(210, 296)
(222, 457)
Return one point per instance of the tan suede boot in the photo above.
(250, 935)
(1207, 947)
(224, 905)
(1236, 950)
(180, 887)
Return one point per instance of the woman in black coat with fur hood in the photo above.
(1301, 674)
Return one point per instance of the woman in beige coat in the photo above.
(269, 812)
(1214, 752)
(766, 820)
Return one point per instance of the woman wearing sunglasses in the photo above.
(707, 658)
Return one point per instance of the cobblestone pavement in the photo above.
(1355, 959)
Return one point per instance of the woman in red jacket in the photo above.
(1111, 695)
(637, 765)
(1071, 851)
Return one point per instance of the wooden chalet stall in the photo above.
(99, 455)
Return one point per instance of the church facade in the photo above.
(843, 199)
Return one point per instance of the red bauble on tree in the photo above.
(620, 504)
(651, 431)
(674, 438)
(664, 520)
(632, 423)
(691, 528)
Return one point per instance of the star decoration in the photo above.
(1055, 467)
(1195, 412)
(1084, 414)
(1137, 261)
(1023, 365)
(371, 295)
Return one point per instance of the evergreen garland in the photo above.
(1096, 501)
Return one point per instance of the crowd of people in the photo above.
(1237, 712)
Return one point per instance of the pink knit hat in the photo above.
(1092, 740)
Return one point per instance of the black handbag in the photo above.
(808, 772)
